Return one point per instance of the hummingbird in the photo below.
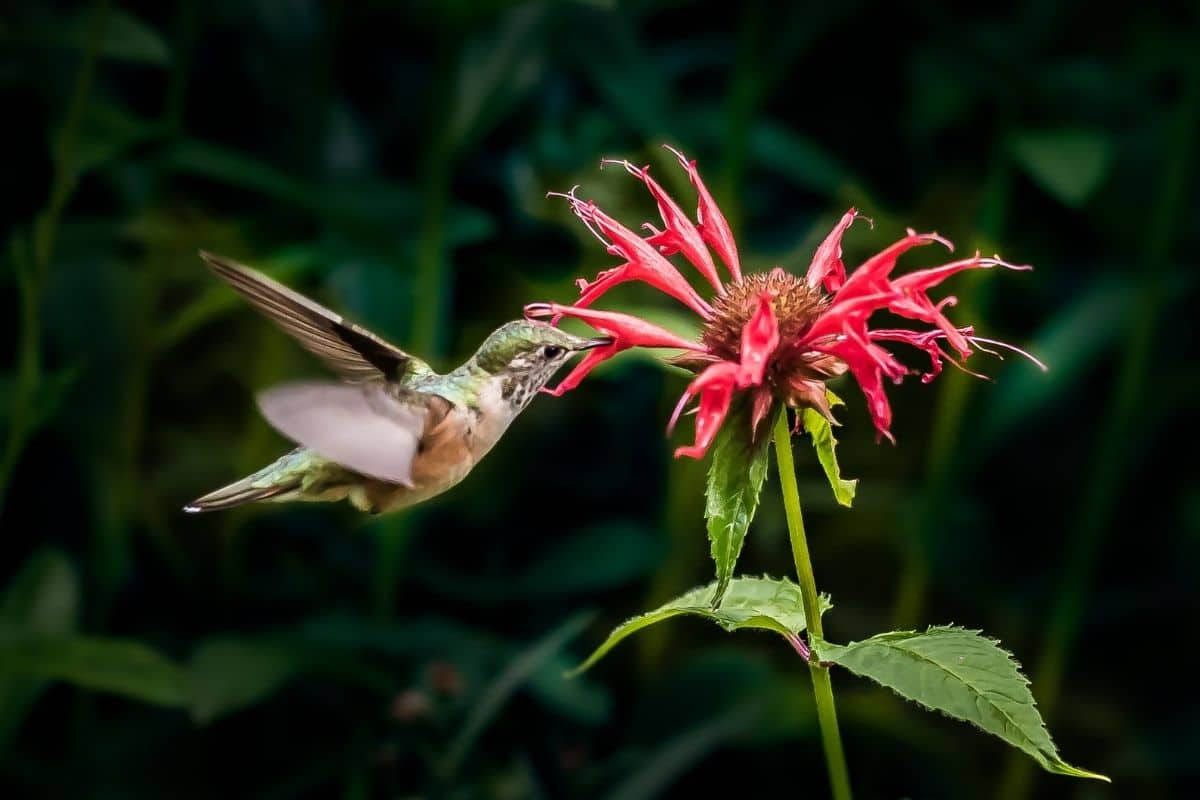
(391, 432)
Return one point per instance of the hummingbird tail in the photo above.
(235, 494)
(298, 475)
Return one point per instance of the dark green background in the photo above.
(392, 161)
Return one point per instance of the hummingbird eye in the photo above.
(552, 351)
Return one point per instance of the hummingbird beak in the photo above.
(599, 341)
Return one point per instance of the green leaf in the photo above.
(581, 700)
(124, 37)
(764, 603)
(820, 430)
(735, 479)
(107, 131)
(962, 674)
(1069, 164)
(226, 675)
(43, 597)
(127, 38)
(112, 665)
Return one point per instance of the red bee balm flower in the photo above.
(774, 335)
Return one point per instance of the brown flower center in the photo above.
(796, 304)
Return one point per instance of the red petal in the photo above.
(715, 386)
(760, 337)
(929, 342)
(581, 370)
(869, 363)
(923, 340)
(924, 279)
(837, 316)
(827, 267)
(642, 261)
(626, 331)
(811, 394)
(680, 235)
(842, 330)
(873, 275)
(867, 290)
(713, 227)
(912, 300)
(590, 292)
(919, 307)
(761, 407)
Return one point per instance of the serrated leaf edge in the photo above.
(1052, 763)
(713, 510)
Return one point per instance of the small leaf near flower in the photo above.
(735, 479)
(820, 430)
(962, 674)
(765, 603)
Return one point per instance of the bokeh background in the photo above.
(392, 160)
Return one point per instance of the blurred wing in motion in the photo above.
(352, 351)
(361, 427)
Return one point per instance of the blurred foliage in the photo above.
(392, 160)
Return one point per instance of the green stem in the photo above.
(831, 739)
(28, 368)
(30, 269)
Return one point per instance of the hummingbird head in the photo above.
(525, 354)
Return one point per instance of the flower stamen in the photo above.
(975, 340)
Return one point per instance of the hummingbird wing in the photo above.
(352, 351)
(369, 428)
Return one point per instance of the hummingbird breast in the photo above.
(444, 457)
(447, 452)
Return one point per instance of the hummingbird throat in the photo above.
(518, 390)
